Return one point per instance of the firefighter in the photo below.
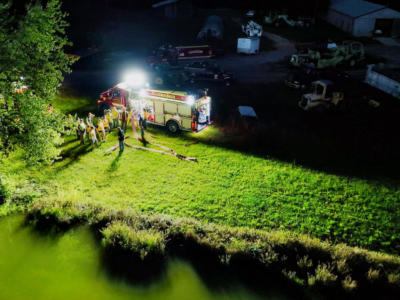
(101, 130)
(89, 119)
(106, 124)
(92, 134)
(121, 138)
(142, 126)
(124, 119)
(115, 117)
(82, 131)
(88, 129)
(109, 119)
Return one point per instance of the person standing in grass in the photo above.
(101, 130)
(106, 125)
(142, 126)
(92, 134)
(121, 138)
(115, 117)
(124, 119)
(109, 119)
(82, 131)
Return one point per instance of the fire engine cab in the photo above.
(177, 110)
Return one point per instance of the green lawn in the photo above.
(225, 186)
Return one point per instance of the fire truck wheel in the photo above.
(173, 126)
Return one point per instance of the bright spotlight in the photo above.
(142, 93)
(135, 78)
(190, 100)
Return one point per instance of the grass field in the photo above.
(225, 187)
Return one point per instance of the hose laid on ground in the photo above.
(170, 150)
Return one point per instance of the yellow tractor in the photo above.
(324, 96)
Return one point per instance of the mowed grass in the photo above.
(224, 186)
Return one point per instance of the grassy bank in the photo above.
(230, 202)
(226, 186)
(300, 258)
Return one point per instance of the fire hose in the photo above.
(168, 151)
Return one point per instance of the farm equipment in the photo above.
(350, 53)
(251, 43)
(279, 20)
(252, 29)
(323, 96)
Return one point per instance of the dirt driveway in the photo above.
(266, 67)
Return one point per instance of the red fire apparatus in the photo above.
(176, 110)
(171, 55)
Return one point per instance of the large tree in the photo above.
(31, 56)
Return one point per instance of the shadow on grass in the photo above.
(357, 140)
(72, 155)
(115, 163)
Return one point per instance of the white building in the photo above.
(362, 18)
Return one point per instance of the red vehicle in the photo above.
(115, 97)
(171, 55)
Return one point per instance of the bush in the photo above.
(4, 190)
(142, 242)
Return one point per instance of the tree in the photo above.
(31, 56)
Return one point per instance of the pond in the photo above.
(68, 265)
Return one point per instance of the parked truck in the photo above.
(177, 110)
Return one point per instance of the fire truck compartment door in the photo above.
(186, 123)
(170, 108)
(184, 110)
(159, 112)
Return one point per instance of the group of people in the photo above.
(112, 119)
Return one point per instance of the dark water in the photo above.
(68, 265)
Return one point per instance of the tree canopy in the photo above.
(32, 64)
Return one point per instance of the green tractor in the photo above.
(350, 53)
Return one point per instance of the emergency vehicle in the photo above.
(167, 54)
(177, 110)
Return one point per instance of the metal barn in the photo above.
(363, 18)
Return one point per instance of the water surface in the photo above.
(68, 265)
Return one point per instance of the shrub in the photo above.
(141, 242)
(4, 190)
(373, 275)
(324, 274)
(349, 284)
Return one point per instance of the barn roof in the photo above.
(162, 3)
(356, 8)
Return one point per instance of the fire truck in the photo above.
(167, 54)
(177, 110)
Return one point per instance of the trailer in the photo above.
(176, 110)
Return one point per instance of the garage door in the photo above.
(385, 25)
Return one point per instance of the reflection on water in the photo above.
(68, 266)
